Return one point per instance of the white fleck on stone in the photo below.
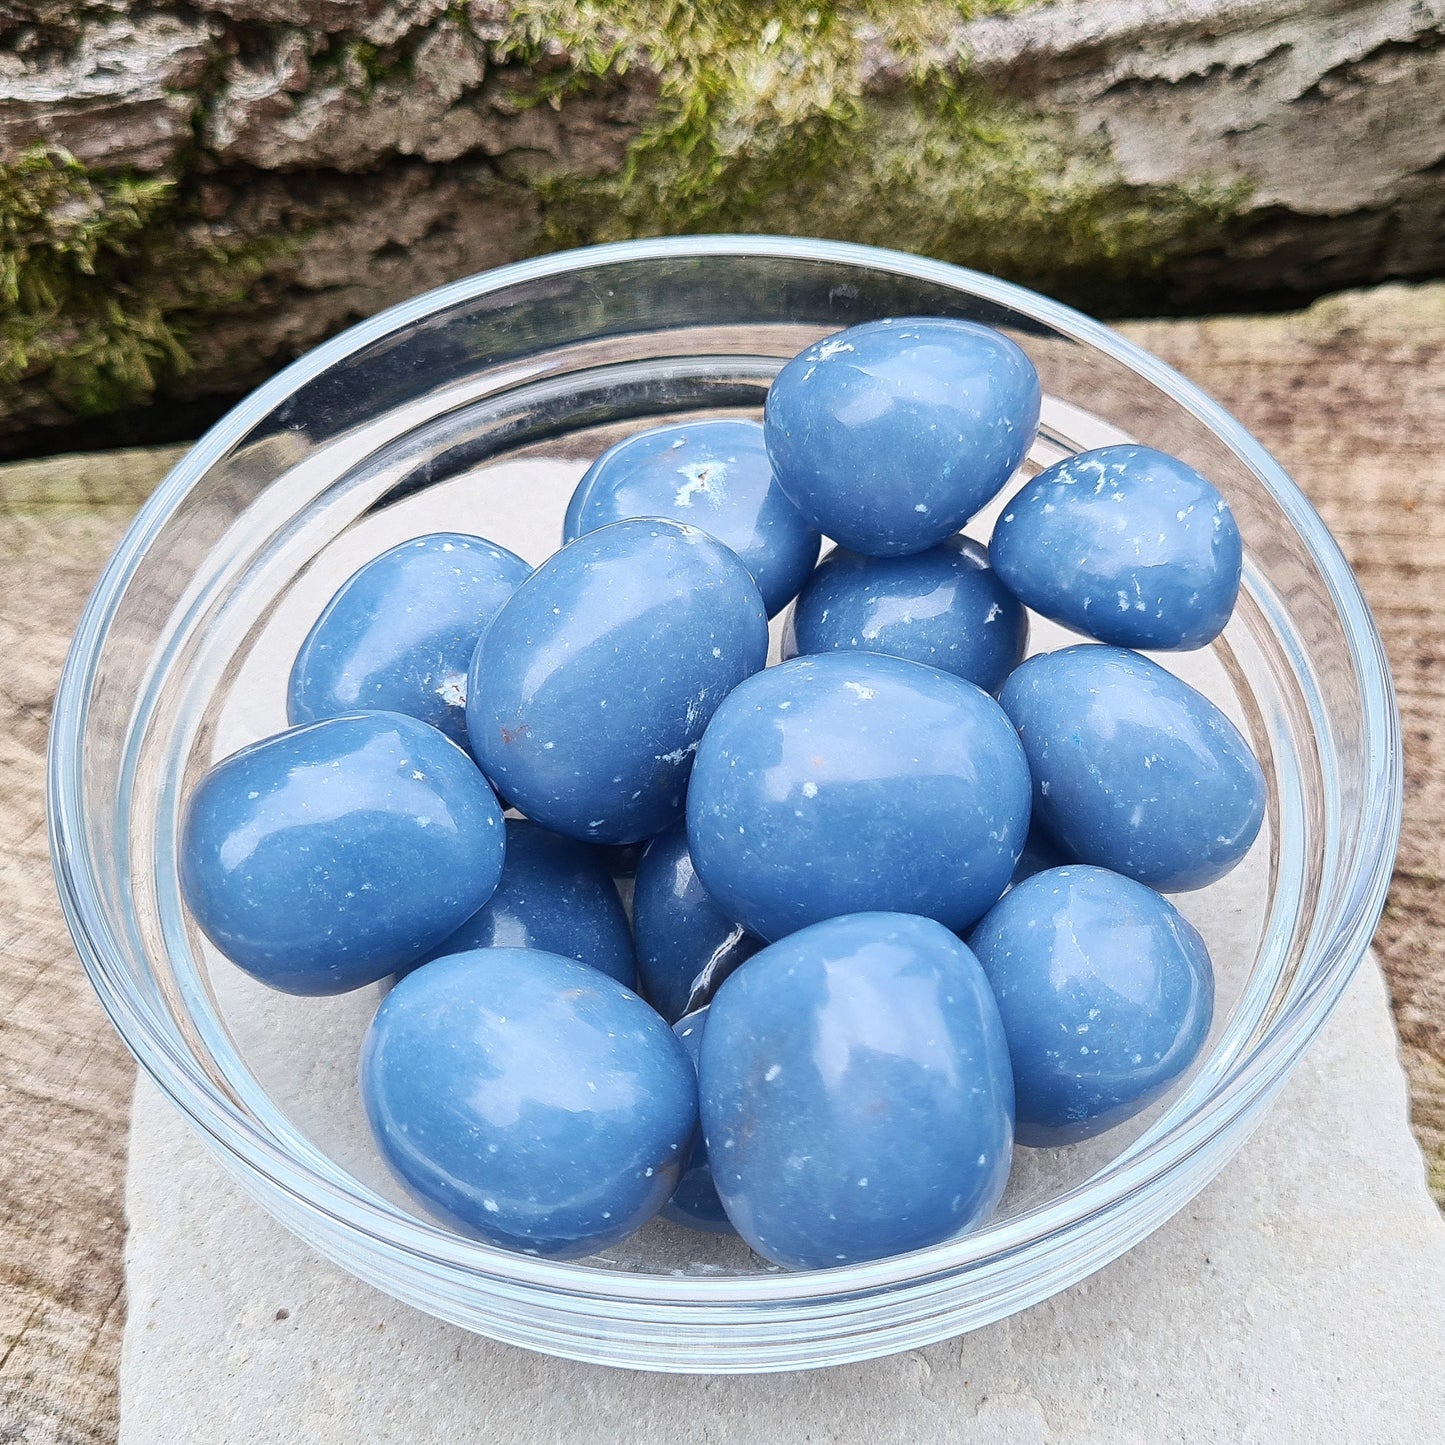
(700, 476)
(453, 689)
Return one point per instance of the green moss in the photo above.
(945, 169)
(763, 125)
(101, 277)
(361, 66)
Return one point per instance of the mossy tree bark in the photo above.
(193, 191)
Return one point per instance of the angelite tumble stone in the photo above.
(1126, 544)
(943, 607)
(333, 854)
(590, 691)
(557, 895)
(711, 474)
(856, 1094)
(853, 780)
(889, 436)
(400, 633)
(695, 1202)
(683, 937)
(1133, 769)
(529, 1100)
(1106, 993)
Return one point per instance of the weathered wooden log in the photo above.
(191, 193)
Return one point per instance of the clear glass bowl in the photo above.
(476, 407)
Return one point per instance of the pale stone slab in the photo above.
(1300, 1298)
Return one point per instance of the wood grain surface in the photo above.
(1350, 395)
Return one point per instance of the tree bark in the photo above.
(320, 159)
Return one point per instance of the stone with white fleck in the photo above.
(330, 855)
(714, 475)
(1132, 768)
(1126, 544)
(854, 782)
(889, 436)
(1106, 992)
(944, 608)
(400, 632)
(590, 690)
(855, 1092)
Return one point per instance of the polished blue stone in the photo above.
(400, 633)
(856, 1095)
(1133, 769)
(682, 935)
(695, 1202)
(590, 691)
(853, 781)
(1126, 544)
(943, 607)
(709, 474)
(889, 436)
(555, 895)
(1106, 993)
(529, 1100)
(332, 854)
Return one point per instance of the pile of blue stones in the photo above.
(895, 900)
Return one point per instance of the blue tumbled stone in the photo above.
(1106, 993)
(943, 607)
(889, 436)
(590, 691)
(683, 937)
(529, 1100)
(1133, 769)
(710, 474)
(555, 895)
(1126, 544)
(399, 634)
(856, 1094)
(332, 854)
(852, 781)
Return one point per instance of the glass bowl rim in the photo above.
(1253, 1077)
